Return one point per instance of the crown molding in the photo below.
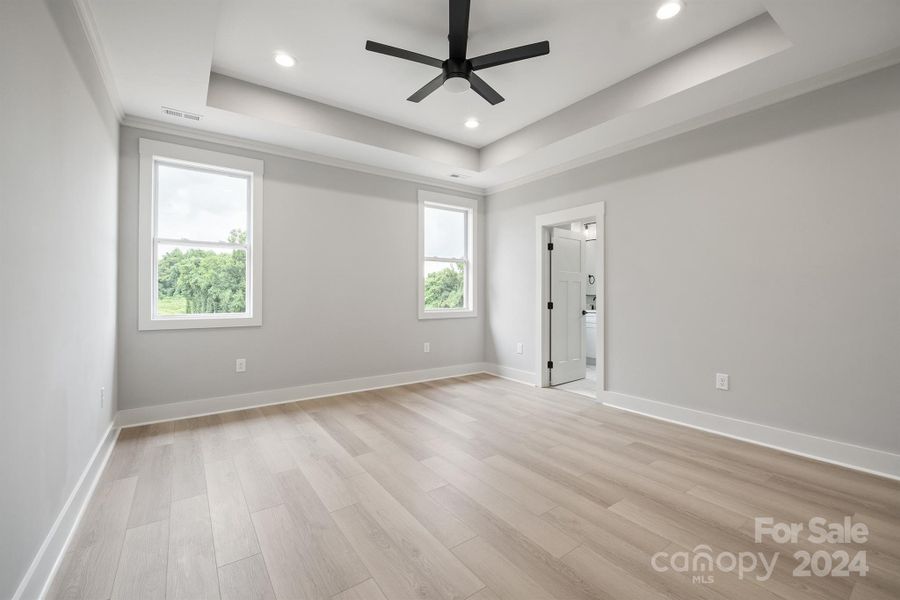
(89, 25)
(841, 74)
(239, 142)
(856, 69)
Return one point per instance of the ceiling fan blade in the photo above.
(494, 59)
(459, 28)
(404, 54)
(484, 90)
(426, 89)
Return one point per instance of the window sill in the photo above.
(198, 323)
(463, 314)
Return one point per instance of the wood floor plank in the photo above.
(537, 530)
(246, 579)
(484, 594)
(191, 572)
(396, 576)
(406, 466)
(329, 560)
(294, 568)
(416, 543)
(322, 474)
(212, 437)
(322, 446)
(86, 571)
(275, 452)
(160, 434)
(630, 558)
(409, 442)
(514, 489)
(688, 531)
(153, 494)
(550, 573)
(233, 426)
(863, 591)
(472, 488)
(586, 501)
(141, 573)
(233, 534)
(125, 460)
(342, 434)
(611, 580)
(257, 481)
(367, 590)
(503, 578)
(281, 419)
(449, 530)
(188, 474)
(255, 422)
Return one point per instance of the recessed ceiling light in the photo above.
(285, 60)
(669, 9)
(472, 123)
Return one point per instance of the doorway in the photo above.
(570, 276)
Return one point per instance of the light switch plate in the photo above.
(240, 365)
(520, 348)
(426, 347)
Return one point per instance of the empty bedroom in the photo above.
(449, 299)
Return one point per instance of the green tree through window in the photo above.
(199, 281)
(445, 288)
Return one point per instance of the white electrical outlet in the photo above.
(722, 381)
(427, 347)
(102, 396)
(520, 348)
(240, 365)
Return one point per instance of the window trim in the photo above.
(152, 152)
(470, 207)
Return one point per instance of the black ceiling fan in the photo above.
(458, 72)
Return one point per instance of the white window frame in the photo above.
(470, 208)
(153, 152)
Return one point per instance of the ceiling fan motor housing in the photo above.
(457, 68)
(457, 72)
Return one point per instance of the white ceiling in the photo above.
(592, 45)
(616, 77)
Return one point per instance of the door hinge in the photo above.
(550, 246)
(550, 306)
(549, 364)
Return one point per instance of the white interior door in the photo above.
(567, 290)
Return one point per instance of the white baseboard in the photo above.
(42, 569)
(519, 375)
(206, 406)
(860, 458)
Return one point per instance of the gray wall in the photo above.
(58, 169)
(339, 291)
(766, 247)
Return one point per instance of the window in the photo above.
(446, 256)
(200, 238)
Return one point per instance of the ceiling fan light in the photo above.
(669, 9)
(457, 85)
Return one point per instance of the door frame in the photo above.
(544, 224)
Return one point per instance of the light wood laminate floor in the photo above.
(469, 488)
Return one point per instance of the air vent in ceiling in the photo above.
(180, 114)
